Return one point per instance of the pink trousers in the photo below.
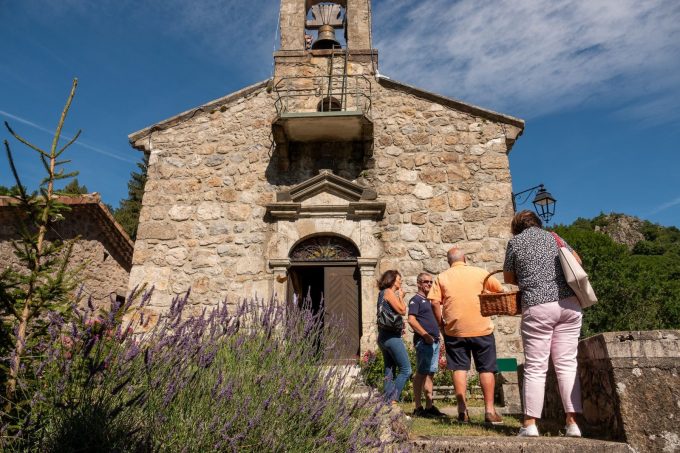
(551, 329)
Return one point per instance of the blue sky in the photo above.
(597, 82)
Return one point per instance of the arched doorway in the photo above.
(325, 268)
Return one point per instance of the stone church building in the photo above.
(322, 178)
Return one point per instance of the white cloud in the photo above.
(533, 57)
(664, 206)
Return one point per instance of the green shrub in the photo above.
(372, 370)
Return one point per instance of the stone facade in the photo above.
(103, 251)
(439, 166)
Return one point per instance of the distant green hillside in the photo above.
(634, 266)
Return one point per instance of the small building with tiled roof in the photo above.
(103, 250)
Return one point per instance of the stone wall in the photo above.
(104, 273)
(445, 177)
(631, 389)
(441, 168)
(202, 221)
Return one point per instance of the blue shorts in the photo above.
(427, 357)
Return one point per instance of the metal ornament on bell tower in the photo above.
(326, 18)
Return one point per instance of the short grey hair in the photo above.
(421, 275)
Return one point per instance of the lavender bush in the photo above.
(251, 377)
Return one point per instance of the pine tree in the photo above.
(73, 188)
(10, 191)
(127, 213)
(41, 282)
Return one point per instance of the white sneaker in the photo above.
(529, 431)
(573, 430)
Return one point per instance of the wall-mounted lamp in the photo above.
(544, 203)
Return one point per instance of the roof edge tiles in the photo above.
(515, 126)
(210, 106)
(117, 235)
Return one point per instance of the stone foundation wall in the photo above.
(103, 273)
(631, 389)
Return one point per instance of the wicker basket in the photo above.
(507, 303)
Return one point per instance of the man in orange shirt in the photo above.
(455, 303)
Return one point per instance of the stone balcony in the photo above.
(330, 108)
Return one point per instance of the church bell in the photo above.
(326, 38)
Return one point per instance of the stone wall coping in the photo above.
(324, 52)
(117, 236)
(181, 117)
(453, 103)
(631, 345)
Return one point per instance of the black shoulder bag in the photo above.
(388, 319)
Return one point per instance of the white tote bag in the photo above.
(575, 275)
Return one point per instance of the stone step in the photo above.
(473, 444)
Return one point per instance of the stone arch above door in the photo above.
(320, 248)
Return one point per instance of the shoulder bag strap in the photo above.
(560, 242)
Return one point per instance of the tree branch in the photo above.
(75, 137)
(22, 192)
(24, 141)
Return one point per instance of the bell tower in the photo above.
(350, 20)
(323, 74)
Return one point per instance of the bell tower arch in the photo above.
(349, 19)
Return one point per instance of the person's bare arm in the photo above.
(417, 328)
(396, 301)
(493, 285)
(437, 311)
(578, 258)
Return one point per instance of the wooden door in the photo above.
(342, 310)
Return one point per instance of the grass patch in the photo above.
(449, 426)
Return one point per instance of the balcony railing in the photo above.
(323, 95)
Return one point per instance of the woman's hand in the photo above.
(396, 301)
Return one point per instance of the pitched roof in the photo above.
(92, 206)
(516, 129)
(449, 102)
(209, 107)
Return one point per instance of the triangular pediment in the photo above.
(326, 186)
(327, 195)
(324, 198)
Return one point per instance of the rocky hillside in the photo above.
(621, 228)
(641, 237)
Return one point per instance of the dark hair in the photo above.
(523, 220)
(387, 279)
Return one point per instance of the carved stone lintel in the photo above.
(367, 265)
(276, 264)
